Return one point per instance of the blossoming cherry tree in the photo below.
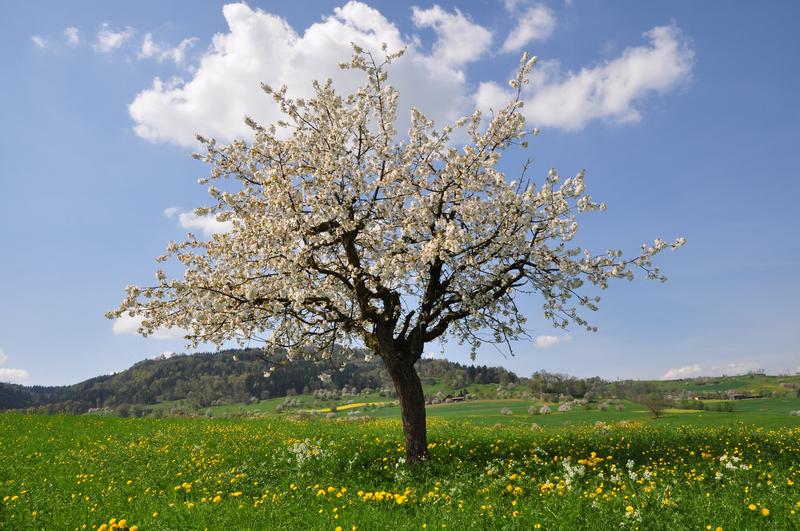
(347, 236)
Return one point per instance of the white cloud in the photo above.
(262, 47)
(72, 35)
(109, 40)
(39, 41)
(125, 324)
(690, 371)
(16, 376)
(537, 23)
(608, 91)
(546, 341)
(152, 50)
(458, 39)
(208, 224)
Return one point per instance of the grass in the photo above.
(487, 471)
(765, 412)
(755, 383)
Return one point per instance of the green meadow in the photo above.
(582, 469)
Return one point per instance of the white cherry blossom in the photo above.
(347, 234)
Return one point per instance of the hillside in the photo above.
(237, 377)
(231, 376)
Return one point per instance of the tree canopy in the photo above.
(347, 234)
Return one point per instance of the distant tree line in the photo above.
(227, 377)
(207, 379)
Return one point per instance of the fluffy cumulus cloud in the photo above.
(207, 224)
(612, 90)
(687, 371)
(109, 39)
(259, 46)
(459, 40)
(546, 341)
(152, 50)
(130, 325)
(72, 36)
(690, 371)
(16, 376)
(262, 47)
(536, 23)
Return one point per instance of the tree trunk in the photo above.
(412, 407)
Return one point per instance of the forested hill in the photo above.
(230, 376)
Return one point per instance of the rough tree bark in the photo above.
(412, 408)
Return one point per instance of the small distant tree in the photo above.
(124, 410)
(347, 235)
(655, 403)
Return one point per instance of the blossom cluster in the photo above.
(345, 233)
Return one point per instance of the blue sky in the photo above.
(684, 115)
